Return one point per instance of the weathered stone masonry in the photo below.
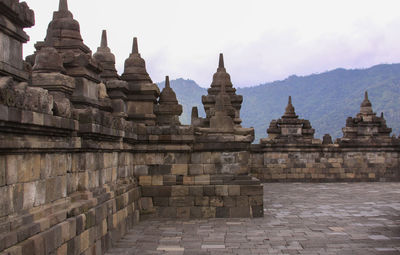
(86, 153)
(290, 153)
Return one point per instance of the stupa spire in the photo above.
(167, 82)
(289, 110)
(366, 101)
(135, 48)
(104, 42)
(106, 58)
(221, 61)
(366, 106)
(63, 5)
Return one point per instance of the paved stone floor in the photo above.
(329, 218)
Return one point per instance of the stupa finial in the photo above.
(63, 5)
(135, 48)
(289, 110)
(167, 82)
(221, 61)
(104, 42)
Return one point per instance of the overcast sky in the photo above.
(262, 40)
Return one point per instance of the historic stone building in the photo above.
(86, 153)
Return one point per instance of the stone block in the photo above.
(195, 158)
(216, 202)
(251, 190)
(228, 158)
(196, 169)
(255, 200)
(157, 180)
(83, 183)
(257, 211)
(2, 171)
(209, 169)
(206, 158)
(15, 250)
(179, 169)
(221, 190)
(161, 201)
(167, 212)
(6, 200)
(196, 190)
(40, 195)
(38, 244)
(242, 201)
(80, 224)
(84, 241)
(159, 169)
(27, 246)
(229, 201)
(170, 180)
(202, 179)
(73, 246)
(62, 250)
(240, 212)
(209, 190)
(234, 190)
(179, 191)
(17, 197)
(188, 180)
(208, 212)
(231, 169)
(53, 189)
(72, 227)
(222, 212)
(9, 239)
(29, 195)
(195, 212)
(3, 113)
(12, 164)
(183, 212)
(141, 170)
(146, 204)
(90, 218)
(156, 191)
(145, 180)
(202, 201)
(181, 201)
(216, 157)
(49, 238)
(29, 168)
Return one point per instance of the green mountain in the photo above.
(325, 99)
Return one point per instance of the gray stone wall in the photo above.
(198, 184)
(326, 164)
(65, 202)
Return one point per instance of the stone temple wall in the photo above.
(65, 202)
(85, 153)
(325, 165)
(366, 152)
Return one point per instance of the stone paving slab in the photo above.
(300, 218)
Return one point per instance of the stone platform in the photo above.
(333, 218)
